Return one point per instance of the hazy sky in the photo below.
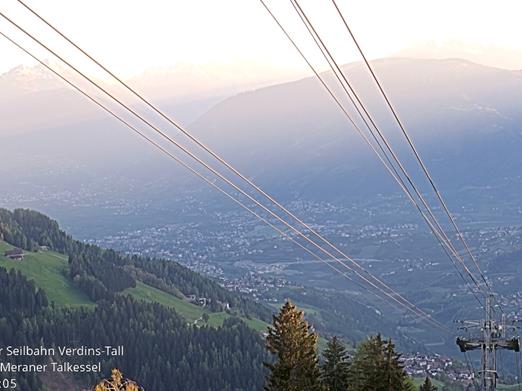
(131, 36)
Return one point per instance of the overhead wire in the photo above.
(202, 177)
(387, 164)
(437, 230)
(412, 146)
(200, 144)
(179, 161)
(393, 295)
(337, 69)
(207, 149)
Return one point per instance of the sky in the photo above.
(133, 36)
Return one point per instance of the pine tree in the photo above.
(336, 367)
(293, 342)
(376, 367)
(427, 385)
(367, 365)
(393, 369)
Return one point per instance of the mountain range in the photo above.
(461, 116)
(290, 137)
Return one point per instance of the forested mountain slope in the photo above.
(99, 297)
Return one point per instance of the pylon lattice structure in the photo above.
(489, 336)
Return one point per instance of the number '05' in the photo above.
(6, 384)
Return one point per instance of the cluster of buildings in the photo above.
(255, 285)
(436, 366)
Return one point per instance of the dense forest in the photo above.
(162, 351)
(103, 272)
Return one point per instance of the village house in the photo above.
(16, 254)
(201, 301)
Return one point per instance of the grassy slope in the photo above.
(145, 292)
(48, 271)
(191, 312)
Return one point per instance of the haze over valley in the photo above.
(260, 195)
(107, 187)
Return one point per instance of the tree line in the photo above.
(296, 365)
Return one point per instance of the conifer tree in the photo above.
(376, 367)
(336, 367)
(294, 345)
(427, 385)
(395, 376)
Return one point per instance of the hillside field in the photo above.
(49, 271)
